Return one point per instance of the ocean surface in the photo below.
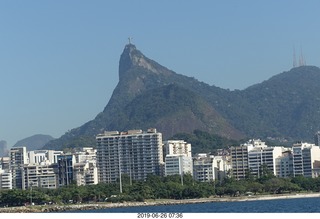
(297, 205)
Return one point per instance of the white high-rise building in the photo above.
(263, 155)
(135, 153)
(249, 158)
(178, 157)
(306, 159)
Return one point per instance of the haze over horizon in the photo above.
(59, 60)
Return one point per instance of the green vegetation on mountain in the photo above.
(204, 142)
(150, 95)
(172, 109)
(287, 105)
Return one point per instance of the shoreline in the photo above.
(93, 206)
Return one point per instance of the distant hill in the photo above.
(34, 142)
(150, 95)
(3, 148)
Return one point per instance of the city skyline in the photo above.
(59, 60)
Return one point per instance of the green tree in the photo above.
(273, 185)
(220, 190)
(304, 182)
(175, 189)
(235, 189)
(265, 173)
(254, 187)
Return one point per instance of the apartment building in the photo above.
(65, 167)
(178, 164)
(265, 156)
(249, 158)
(42, 176)
(239, 161)
(306, 159)
(5, 163)
(41, 156)
(178, 157)
(5, 178)
(136, 153)
(85, 173)
(203, 168)
(177, 147)
(85, 154)
(284, 164)
(18, 158)
(209, 168)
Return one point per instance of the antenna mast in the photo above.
(302, 62)
(294, 57)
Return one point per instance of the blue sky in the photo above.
(59, 59)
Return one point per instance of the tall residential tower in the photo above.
(135, 153)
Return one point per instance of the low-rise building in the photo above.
(85, 173)
(178, 164)
(5, 179)
(209, 168)
(40, 156)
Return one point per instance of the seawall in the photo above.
(80, 207)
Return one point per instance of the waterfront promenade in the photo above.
(74, 207)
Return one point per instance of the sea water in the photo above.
(295, 205)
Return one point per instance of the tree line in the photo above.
(156, 187)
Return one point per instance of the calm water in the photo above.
(299, 205)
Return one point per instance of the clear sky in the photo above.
(59, 59)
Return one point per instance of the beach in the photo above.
(101, 205)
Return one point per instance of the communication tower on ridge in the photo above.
(302, 61)
(294, 57)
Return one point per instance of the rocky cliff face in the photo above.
(284, 106)
(142, 82)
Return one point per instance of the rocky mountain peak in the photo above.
(132, 58)
(128, 58)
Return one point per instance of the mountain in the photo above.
(34, 142)
(3, 148)
(150, 95)
(287, 105)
